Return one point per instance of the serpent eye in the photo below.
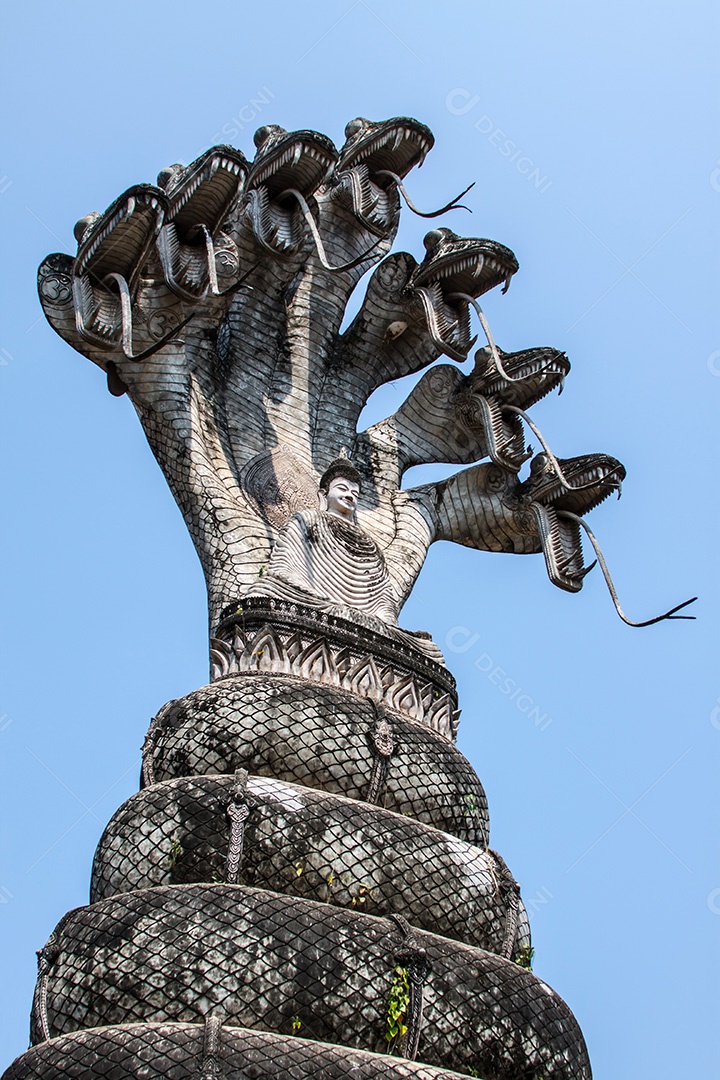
(538, 464)
(482, 361)
(433, 238)
(263, 133)
(354, 126)
(165, 176)
(85, 223)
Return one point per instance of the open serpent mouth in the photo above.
(373, 163)
(580, 485)
(184, 221)
(112, 249)
(526, 377)
(119, 240)
(395, 145)
(297, 161)
(500, 386)
(200, 198)
(552, 501)
(584, 482)
(203, 191)
(453, 269)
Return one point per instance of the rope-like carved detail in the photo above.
(150, 745)
(211, 1068)
(39, 1021)
(238, 810)
(414, 958)
(510, 892)
(46, 957)
(383, 744)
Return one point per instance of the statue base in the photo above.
(270, 635)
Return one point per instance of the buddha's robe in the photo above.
(323, 561)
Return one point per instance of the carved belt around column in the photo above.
(383, 744)
(238, 810)
(210, 1069)
(46, 956)
(510, 893)
(413, 958)
(150, 744)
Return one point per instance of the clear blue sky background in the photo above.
(606, 810)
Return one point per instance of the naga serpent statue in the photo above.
(304, 885)
(215, 301)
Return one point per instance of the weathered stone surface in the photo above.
(295, 841)
(177, 1052)
(275, 725)
(179, 953)
(215, 300)
(259, 634)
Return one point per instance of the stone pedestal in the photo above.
(303, 886)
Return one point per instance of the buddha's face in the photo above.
(342, 498)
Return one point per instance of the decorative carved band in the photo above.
(238, 810)
(413, 957)
(211, 1068)
(383, 744)
(286, 638)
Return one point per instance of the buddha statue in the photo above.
(323, 559)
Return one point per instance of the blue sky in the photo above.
(603, 795)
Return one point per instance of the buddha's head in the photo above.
(340, 489)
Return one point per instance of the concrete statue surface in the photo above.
(215, 300)
(304, 884)
(323, 559)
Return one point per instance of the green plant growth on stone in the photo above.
(471, 803)
(175, 854)
(296, 1024)
(360, 899)
(398, 1005)
(473, 1072)
(524, 958)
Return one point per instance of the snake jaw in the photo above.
(371, 152)
(395, 145)
(455, 265)
(298, 160)
(200, 198)
(527, 376)
(112, 249)
(586, 482)
(562, 547)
